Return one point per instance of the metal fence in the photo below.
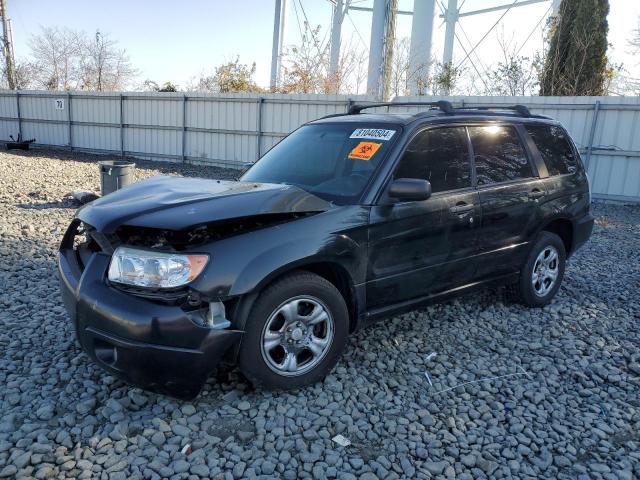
(233, 130)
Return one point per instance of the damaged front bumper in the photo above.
(149, 344)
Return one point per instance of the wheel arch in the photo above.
(330, 270)
(563, 227)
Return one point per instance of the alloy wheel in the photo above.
(297, 336)
(545, 271)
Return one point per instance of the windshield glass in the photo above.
(334, 162)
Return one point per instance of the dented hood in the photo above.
(175, 203)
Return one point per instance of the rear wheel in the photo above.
(543, 271)
(295, 333)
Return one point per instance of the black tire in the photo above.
(251, 358)
(524, 291)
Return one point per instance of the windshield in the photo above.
(334, 162)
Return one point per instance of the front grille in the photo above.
(172, 296)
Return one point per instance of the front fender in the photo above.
(339, 249)
(246, 262)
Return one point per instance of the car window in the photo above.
(332, 161)
(555, 148)
(498, 154)
(439, 155)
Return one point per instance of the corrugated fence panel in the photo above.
(235, 129)
(162, 111)
(95, 109)
(96, 138)
(153, 141)
(8, 110)
(232, 121)
(36, 110)
(615, 169)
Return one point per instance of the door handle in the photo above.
(464, 208)
(535, 194)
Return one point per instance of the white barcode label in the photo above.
(373, 133)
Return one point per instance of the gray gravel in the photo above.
(511, 392)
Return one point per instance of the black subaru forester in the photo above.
(349, 219)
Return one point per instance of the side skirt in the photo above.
(413, 304)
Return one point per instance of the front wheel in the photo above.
(295, 333)
(543, 271)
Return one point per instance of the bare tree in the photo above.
(66, 59)
(305, 65)
(104, 65)
(634, 43)
(346, 78)
(56, 55)
(23, 75)
(400, 67)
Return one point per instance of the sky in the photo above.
(177, 41)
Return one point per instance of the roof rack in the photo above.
(443, 105)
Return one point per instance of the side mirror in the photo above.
(410, 189)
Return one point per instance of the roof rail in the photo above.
(443, 105)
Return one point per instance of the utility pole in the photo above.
(336, 30)
(7, 48)
(279, 29)
(420, 47)
(450, 18)
(381, 46)
(389, 44)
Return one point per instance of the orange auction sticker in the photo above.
(364, 150)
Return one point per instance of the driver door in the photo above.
(420, 248)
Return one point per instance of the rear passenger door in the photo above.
(509, 192)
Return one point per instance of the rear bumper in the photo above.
(582, 231)
(148, 344)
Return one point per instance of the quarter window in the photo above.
(439, 155)
(555, 148)
(498, 154)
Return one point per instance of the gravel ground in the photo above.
(510, 392)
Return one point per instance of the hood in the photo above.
(176, 203)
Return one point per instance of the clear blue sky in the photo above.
(169, 40)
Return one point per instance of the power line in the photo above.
(308, 26)
(472, 63)
(295, 9)
(488, 32)
(356, 29)
(484, 68)
(534, 29)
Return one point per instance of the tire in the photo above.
(301, 313)
(539, 291)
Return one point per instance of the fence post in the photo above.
(183, 145)
(592, 133)
(19, 118)
(259, 128)
(121, 125)
(69, 119)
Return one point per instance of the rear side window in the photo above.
(499, 155)
(439, 155)
(555, 148)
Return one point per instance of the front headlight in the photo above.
(146, 268)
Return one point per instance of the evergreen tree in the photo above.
(576, 62)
